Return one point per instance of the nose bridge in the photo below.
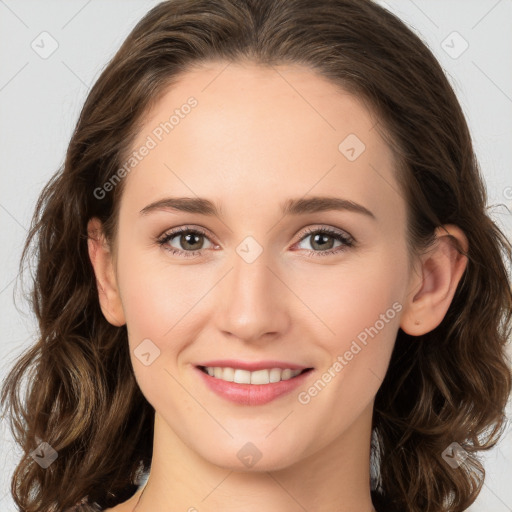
(251, 301)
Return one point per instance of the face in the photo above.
(272, 278)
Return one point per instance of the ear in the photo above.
(106, 281)
(433, 287)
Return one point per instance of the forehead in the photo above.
(260, 135)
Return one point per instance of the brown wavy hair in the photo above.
(449, 385)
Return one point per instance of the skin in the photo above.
(258, 137)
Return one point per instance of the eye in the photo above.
(324, 240)
(190, 240)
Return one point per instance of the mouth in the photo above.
(256, 386)
(258, 377)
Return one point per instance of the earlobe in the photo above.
(434, 287)
(101, 260)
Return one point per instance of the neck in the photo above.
(335, 478)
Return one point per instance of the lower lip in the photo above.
(252, 394)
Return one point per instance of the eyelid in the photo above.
(326, 229)
(343, 236)
(185, 228)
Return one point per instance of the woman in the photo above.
(265, 275)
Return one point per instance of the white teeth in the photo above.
(228, 374)
(260, 377)
(275, 375)
(287, 374)
(247, 377)
(242, 376)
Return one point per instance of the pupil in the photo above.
(186, 239)
(322, 245)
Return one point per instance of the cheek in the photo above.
(155, 294)
(360, 309)
(346, 301)
(162, 303)
(158, 302)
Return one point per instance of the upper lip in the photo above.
(252, 365)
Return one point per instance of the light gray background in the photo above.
(40, 99)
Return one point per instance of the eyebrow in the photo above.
(298, 206)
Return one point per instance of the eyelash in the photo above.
(347, 241)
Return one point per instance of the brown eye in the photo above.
(184, 241)
(322, 241)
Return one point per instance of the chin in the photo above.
(246, 456)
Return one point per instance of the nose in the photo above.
(253, 301)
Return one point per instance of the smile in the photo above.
(258, 377)
(256, 387)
